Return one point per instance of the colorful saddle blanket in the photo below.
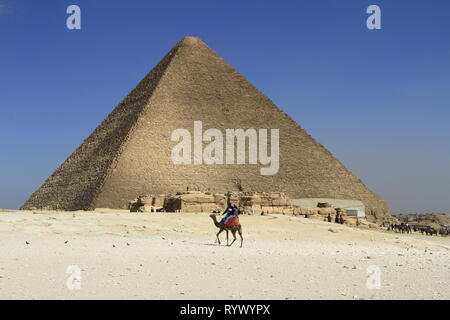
(232, 222)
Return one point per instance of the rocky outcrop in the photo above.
(195, 202)
(147, 203)
(248, 202)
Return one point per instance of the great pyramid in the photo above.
(130, 152)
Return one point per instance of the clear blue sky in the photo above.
(378, 100)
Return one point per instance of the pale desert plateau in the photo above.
(121, 255)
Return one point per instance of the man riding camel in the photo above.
(231, 211)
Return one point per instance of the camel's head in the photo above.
(212, 215)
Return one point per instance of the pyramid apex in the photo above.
(190, 40)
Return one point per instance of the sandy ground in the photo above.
(173, 256)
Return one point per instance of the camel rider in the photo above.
(231, 211)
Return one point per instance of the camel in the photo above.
(237, 227)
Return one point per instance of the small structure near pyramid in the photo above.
(130, 152)
(248, 202)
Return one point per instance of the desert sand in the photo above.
(174, 256)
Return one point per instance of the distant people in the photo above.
(408, 228)
(138, 206)
(336, 219)
(329, 218)
(341, 219)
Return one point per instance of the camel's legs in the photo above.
(220, 231)
(234, 237)
(240, 234)
(227, 236)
